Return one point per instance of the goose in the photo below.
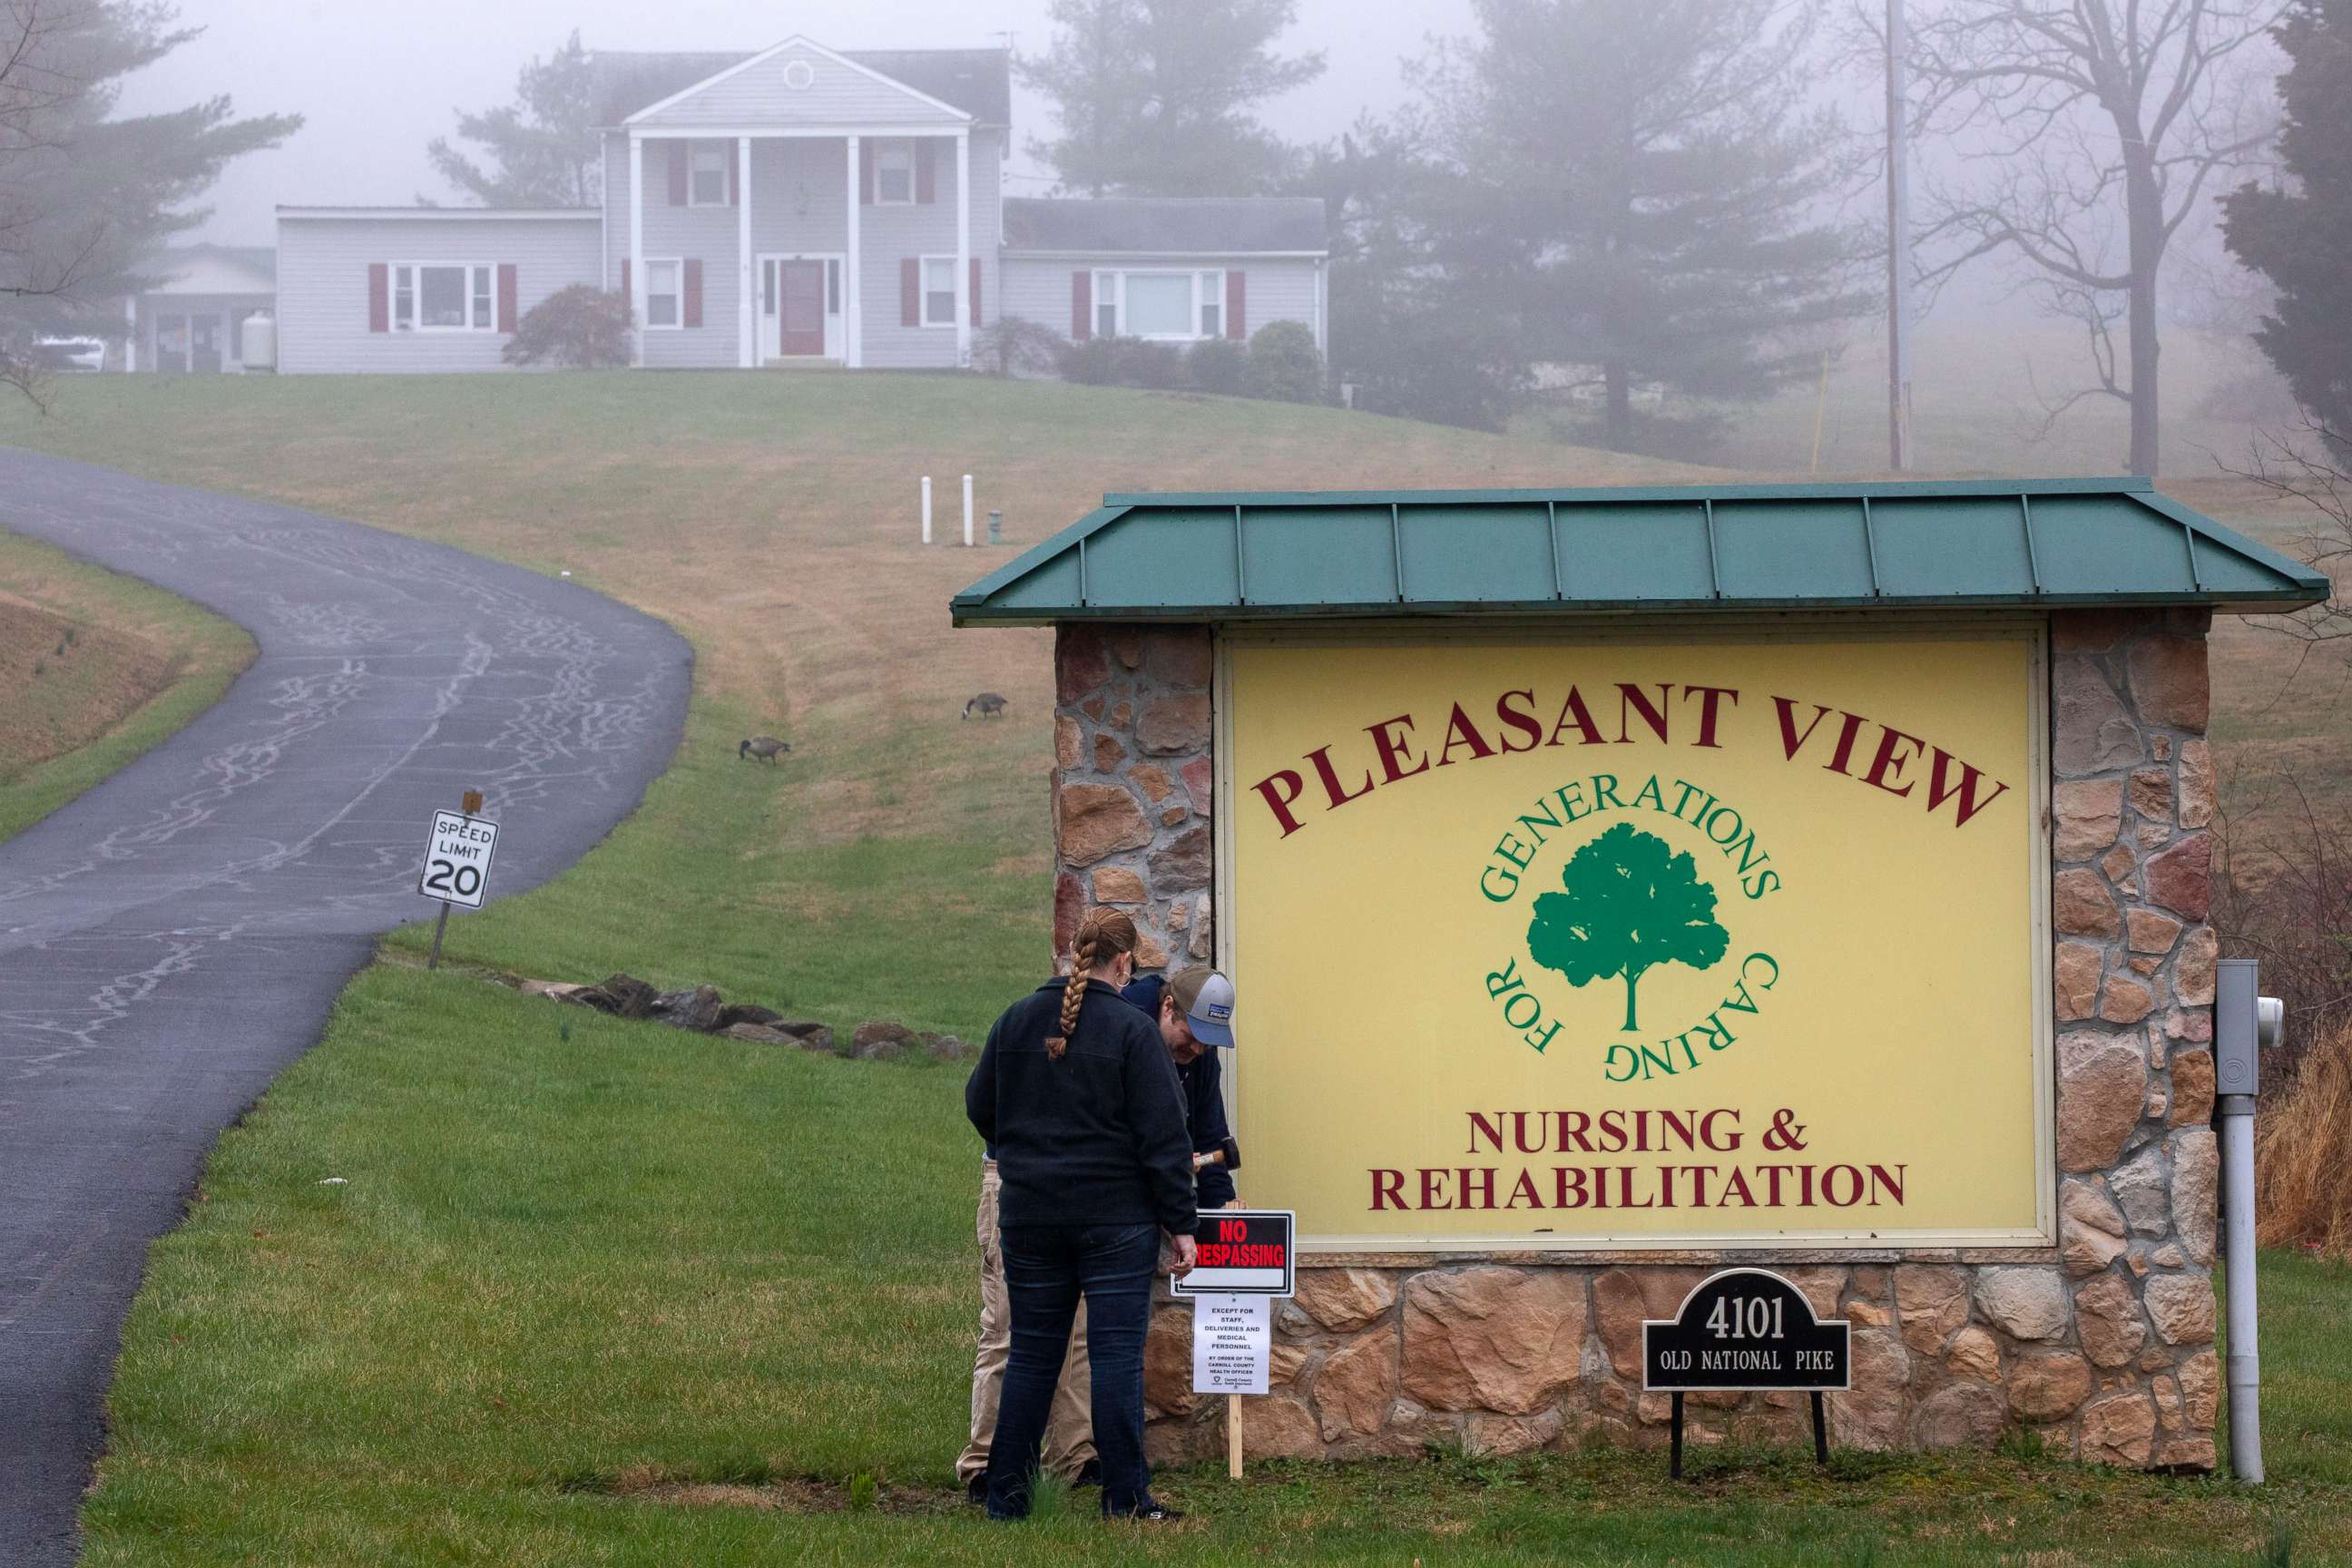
(988, 704)
(762, 748)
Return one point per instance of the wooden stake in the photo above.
(439, 926)
(1233, 1435)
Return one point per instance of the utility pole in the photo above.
(1898, 245)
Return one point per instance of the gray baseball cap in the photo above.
(1207, 999)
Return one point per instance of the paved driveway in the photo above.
(172, 939)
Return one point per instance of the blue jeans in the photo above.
(1046, 1268)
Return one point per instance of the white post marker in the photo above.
(1233, 1354)
(927, 509)
(456, 864)
(967, 511)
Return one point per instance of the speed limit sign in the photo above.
(458, 859)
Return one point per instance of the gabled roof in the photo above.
(1166, 226)
(2026, 543)
(174, 259)
(977, 81)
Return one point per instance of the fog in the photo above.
(375, 83)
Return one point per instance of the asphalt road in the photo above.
(174, 938)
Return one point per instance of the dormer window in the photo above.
(894, 174)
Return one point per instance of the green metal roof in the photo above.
(1734, 547)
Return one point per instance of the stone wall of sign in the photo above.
(2103, 1345)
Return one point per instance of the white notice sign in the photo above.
(458, 859)
(1232, 1341)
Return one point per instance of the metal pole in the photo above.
(1898, 245)
(2245, 1370)
(927, 509)
(967, 511)
(439, 927)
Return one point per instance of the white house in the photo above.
(797, 204)
(191, 319)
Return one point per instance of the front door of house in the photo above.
(799, 329)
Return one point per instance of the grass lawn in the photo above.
(99, 668)
(570, 1277)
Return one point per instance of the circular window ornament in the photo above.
(799, 74)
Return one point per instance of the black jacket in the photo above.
(1094, 1138)
(1204, 1097)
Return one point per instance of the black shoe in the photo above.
(975, 1490)
(1090, 1474)
(1153, 1512)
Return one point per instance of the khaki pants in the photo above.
(1069, 1433)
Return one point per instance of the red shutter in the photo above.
(975, 290)
(677, 151)
(910, 292)
(926, 180)
(866, 173)
(379, 297)
(506, 296)
(1236, 304)
(693, 306)
(1082, 306)
(735, 174)
(625, 278)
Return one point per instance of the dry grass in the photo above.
(2303, 1153)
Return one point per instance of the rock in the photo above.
(1483, 1434)
(2193, 1025)
(2090, 631)
(2101, 1089)
(2093, 732)
(1506, 1340)
(1117, 885)
(2044, 1385)
(697, 1009)
(1931, 1301)
(1183, 864)
(1178, 657)
(2150, 794)
(1356, 1387)
(2150, 932)
(1108, 754)
(2107, 1321)
(1285, 1361)
(1070, 741)
(1150, 953)
(2170, 683)
(2181, 878)
(2080, 904)
(2088, 815)
(2118, 864)
(944, 1048)
(1974, 1353)
(1170, 815)
(553, 990)
(1168, 1361)
(1126, 645)
(2025, 1303)
(2201, 1390)
(877, 1041)
(2074, 980)
(736, 1012)
(1870, 1414)
(2193, 1089)
(1623, 1298)
(1276, 1427)
(2142, 1190)
(2125, 1001)
(1154, 781)
(1201, 785)
(2192, 971)
(819, 1039)
(2195, 1195)
(759, 1035)
(2181, 1306)
(1202, 942)
(2119, 1429)
(1081, 661)
(1172, 725)
(1962, 1416)
(2197, 797)
(2090, 1229)
(1069, 908)
(1345, 1299)
(1097, 820)
(2185, 1451)
(622, 995)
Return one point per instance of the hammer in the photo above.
(1228, 1154)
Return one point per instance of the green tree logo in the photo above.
(1631, 904)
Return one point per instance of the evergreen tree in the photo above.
(1156, 97)
(86, 198)
(542, 150)
(2298, 233)
(1630, 186)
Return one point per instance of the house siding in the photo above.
(322, 286)
(151, 307)
(1284, 290)
(840, 94)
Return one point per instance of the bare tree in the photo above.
(2303, 466)
(2102, 121)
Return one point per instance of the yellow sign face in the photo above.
(1632, 943)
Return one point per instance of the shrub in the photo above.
(1090, 361)
(2303, 1153)
(1011, 345)
(580, 327)
(1284, 365)
(1137, 363)
(1217, 365)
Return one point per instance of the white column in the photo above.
(747, 324)
(638, 244)
(963, 278)
(853, 293)
(131, 344)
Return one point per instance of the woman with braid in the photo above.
(1075, 1094)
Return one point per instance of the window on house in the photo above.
(939, 291)
(1213, 305)
(708, 187)
(1176, 307)
(1159, 304)
(1105, 304)
(662, 293)
(442, 296)
(894, 174)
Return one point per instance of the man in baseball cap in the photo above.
(1194, 1008)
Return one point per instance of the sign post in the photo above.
(1245, 1258)
(456, 864)
(1741, 1330)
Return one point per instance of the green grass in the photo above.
(198, 655)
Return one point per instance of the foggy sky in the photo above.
(377, 81)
